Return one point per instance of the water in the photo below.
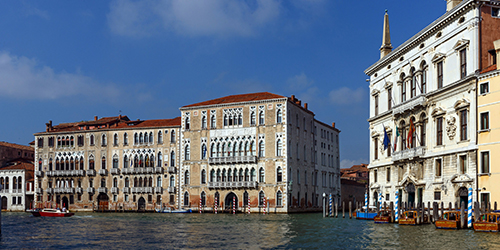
(226, 231)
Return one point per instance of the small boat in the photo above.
(50, 212)
(488, 222)
(366, 213)
(450, 220)
(170, 210)
(383, 216)
(410, 218)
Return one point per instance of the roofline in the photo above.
(105, 129)
(422, 35)
(232, 104)
(326, 125)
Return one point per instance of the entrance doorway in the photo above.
(228, 202)
(65, 202)
(141, 204)
(410, 189)
(463, 193)
(4, 202)
(102, 201)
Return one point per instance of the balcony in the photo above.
(158, 170)
(90, 190)
(233, 159)
(78, 172)
(114, 190)
(79, 190)
(38, 173)
(148, 190)
(150, 170)
(64, 190)
(171, 189)
(50, 173)
(91, 172)
(139, 170)
(38, 190)
(235, 184)
(102, 190)
(171, 170)
(419, 101)
(127, 171)
(409, 153)
(126, 190)
(103, 171)
(158, 190)
(50, 190)
(114, 171)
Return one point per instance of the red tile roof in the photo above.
(175, 122)
(19, 165)
(489, 68)
(237, 99)
(17, 146)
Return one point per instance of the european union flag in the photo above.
(386, 139)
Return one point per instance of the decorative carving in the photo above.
(450, 129)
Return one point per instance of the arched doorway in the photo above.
(4, 202)
(463, 193)
(65, 202)
(228, 202)
(141, 204)
(102, 201)
(410, 190)
(375, 198)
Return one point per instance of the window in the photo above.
(423, 78)
(439, 131)
(186, 177)
(160, 137)
(136, 139)
(203, 176)
(212, 121)
(463, 125)
(462, 164)
(485, 121)
(40, 142)
(203, 198)
(389, 98)
(403, 88)
(438, 168)
(463, 63)
(103, 162)
(172, 136)
(187, 122)
(495, 12)
(376, 104)
(261, 118)
(437, 195)
(484, 88)
(440, 74)
(115, 161)
(279, 175)
(279, 199)
(261, 199)
(388, 174)
(51, 141)
(422, 130)
(279, 148)
(186, 199)
(485, 162)
(104, 142)
(413, 83)
(203, 151)
(375, 147)
(203, 122)
(115, 140)
(187, 153)
(261, 175)
(279, 116)
(261, 149)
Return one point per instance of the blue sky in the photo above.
(69, 61)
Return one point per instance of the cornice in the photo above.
(232, 104)
(488, 75)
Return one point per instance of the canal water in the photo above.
(227, 231)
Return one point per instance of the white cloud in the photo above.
(299, 81)
(346, 95)
(221, 18)
(346, 163)
(24, 78)
(30, 10)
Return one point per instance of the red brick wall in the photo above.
(490, 31)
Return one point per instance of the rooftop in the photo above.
(16, 146)
(237, 98)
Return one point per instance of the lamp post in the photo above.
(324, 198)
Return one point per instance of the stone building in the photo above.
(111, 163)
(16, 178)
(354, 184)
(12, 151)
(423, 96)
(260, 147)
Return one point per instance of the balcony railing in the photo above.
(114, 190)
(114, 171)
(171, 189)
(233, 159)
(171, 170)
(64, 173)
(103, 171)
(126, 190)
(127, 170)
(420, 100)
(90, 190)
(91, 172)
(235, 184)
(149, 190)
(102, 190)
(150, 170)
(64, 190)
(142, 190)
(158, 190)
(38, 190)
(79, 190)
(39, 173)
(409, 153)
(50, 190)
(158, 170)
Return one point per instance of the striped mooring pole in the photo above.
(469, 210)
(396, 207)
(380, 201)
(330, 206)
(234, 204)
(366, 200)
(200, 204)
(264, 205)
(215, 204)
(248, 204)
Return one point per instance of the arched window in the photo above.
(252, 148)
(240, 119)
(279, 175)
(226, 120)
(261, 175)
(219, 150)
(186, 177)
(186, 199)
(403, 135)
(172, 159)
(66, 164)
(279, 148)
(413, 83)
(140, 181)
(151, 138)
(136, 161)
(160, 137)
(103, 182)
(223, 153)
(127, 182)
(235, 175)
(403, 87)
(77, 163)
(212, 150)
(14, 183)
(141, 161)
(279, 116)
(187, 123)
(423, 78)
(261, 118)
(203, 151)
(136, 183)
(203, 122)
(172, 181)
(229, 175)
(72, 164)
(261, 198)
(103, 162)
(219, 179)
(40, 167)
(240, 149)
(252, 175)
(125, 139)
(212, 175)
(252, 118)
(91, 162)
(203, 176)
(212, 121)
(261, 149)
(247, 149)
(241, 176)
(50, 164)
(279, 199)
(159, 160)
(72, 141)
(92, 140)
(104, 142)
(247, 175)
(423, 127)
(115, 140)
(203, 198)
(81, 163)
(187, 153)
(414, 133)
(146, 140)
(115, 182)
(115, 161)
(141, 138)
(224, 177)
(150, 182)
(172, 136)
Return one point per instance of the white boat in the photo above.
(170, 210)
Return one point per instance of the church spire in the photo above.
(386, 38)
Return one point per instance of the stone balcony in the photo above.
(409, 153)
(50, 190)
(127, 171)
(126, 190)
(114, 190)
(114, 171)
(64, 190)
(102, 189)
(38, 173)
(158, 170)
(38, 190)
(65, 173)
(142, 190)
(158, 190)
(235, 184)
(103, 171)
(79, 190)
(91, 172)
(150, 170)
(171, 189)
(233, 159)
(90, 190)
(419, 101)
(171, 170)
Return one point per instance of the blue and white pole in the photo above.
(366, 200)
(397, 206)
(330, 206)
(469, 210)
(380, 201)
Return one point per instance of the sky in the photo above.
(69, 61)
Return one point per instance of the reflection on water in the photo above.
(174, 231)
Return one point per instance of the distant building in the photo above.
(354, 184)
(423, 96)
(17, 180)
(11, 151)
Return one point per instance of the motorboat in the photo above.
(365, 213)
(51, 212)
(488, 222)
(411, 218)
(450, 220)
(383, 216)
(170, 210)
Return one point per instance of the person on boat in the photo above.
(64, 209)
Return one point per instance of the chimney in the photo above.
(293, 98)
(305, 105)
(299, 102)
(497, 49)
(386, 38)
(95, 118)
(48, 126)
(450, 4)
(333, 124)
(120, 117)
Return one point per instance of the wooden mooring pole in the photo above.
(462, 215)
(350, 209)
(343, 209)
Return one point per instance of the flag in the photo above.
(396, 138)
(386, 139)
(411, 131)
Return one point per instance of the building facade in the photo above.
(12, 151)
(423, 97)
(489, 129)
(16, 178)
(110, 163)
(260, 148)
